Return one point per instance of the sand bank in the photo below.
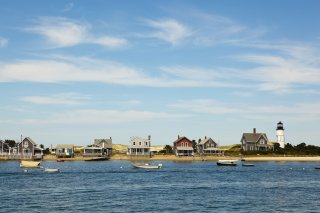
(197, 158)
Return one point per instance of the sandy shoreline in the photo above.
(208, 158)
(197, 158)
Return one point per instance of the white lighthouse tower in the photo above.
(280, 134)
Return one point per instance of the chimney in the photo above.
(254, 131)
(205, 137)
(149, 137)
(178, 136)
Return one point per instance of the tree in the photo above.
(41, 146)
(194, 145)
(11, 143)
(168, 149)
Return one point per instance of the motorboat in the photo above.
(29, 164)
(51, 170)
(60, 160)
(227, 162)
(147, 166)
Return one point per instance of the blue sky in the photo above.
(72, 71)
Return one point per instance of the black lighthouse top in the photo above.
(280, 126)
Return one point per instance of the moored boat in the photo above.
(51, 170)
(60, 160)
(247, 164)
(227, 162)
(29, 164)
(147, 166)
(96, 158)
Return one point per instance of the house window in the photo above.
(146, 143)
(140, 143)
(261, 141)
(134, 143)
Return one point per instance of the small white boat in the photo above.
(147, 166)
(227, 162)
(29, 164)
(51, 170)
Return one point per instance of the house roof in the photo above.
(253, 137)
(107, 142)
(205, 140)
(180, 138)
(68, 146)
(29, 139)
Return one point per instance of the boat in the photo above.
(147, 166)
(318, 167)
(29, 164)
(96, 159)
(247, 164)
(227, 162)
(60, 160)
(51, 170)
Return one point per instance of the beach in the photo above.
(198, 158)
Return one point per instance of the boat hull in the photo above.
(147, 166)
(51, 170)
(227, 163)
(29, 164)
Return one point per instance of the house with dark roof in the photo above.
(255, 141)
(105, 144)
(207, 146)
(183, 147)
(27, 148)
(100, 148)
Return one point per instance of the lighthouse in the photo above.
(280, 134)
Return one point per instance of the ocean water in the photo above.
(114, 186)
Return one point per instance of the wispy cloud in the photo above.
(93, 116)
(290, 65)
(205, 106)
(303, 111)
(168, 30)
(63, 32)
(57, 99)
(82, 69)
(3, 42)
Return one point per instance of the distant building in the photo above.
(183, 147)
(4, 148)
(255, 141)
(100, 148)
(207, 146)
(27, 148)
(139, 146)
(280, 134)
(106, 144)
(65, 151)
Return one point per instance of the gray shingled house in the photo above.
(255, 141)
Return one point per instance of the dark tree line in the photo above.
(289, 149)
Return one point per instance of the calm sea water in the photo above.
(113, 186)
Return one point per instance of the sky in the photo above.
(73, 71)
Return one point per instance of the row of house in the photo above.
(138, 146)
(26, 149)
(182, 146)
